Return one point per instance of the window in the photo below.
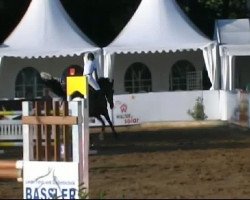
(138, 79)
(184, 77)
(28, 84)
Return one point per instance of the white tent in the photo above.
(46, 30)
(46, 39)
(233, 36)
(161, 26)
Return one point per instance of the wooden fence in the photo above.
(50, 126)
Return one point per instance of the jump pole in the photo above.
(10, 169)
(78, 84)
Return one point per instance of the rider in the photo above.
(90, 70)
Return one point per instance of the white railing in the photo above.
(11, 133)
(11, 129)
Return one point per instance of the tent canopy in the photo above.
(157, 26)
(232, 31)
(161, 26)
(233, 37)
(46, 30)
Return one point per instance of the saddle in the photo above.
(96, 94)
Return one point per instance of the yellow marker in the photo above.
(77, 83)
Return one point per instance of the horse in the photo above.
(98, 100)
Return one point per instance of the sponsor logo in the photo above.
(123, 108)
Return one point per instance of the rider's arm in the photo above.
(87, 69)
(95, 74)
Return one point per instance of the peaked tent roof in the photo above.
(46, 30)
(158, 25)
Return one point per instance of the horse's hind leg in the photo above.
(111, 125)
(101, 135)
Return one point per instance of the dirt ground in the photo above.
(173, 163)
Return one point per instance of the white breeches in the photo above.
(93, 82)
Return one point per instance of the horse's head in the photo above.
(107, 88)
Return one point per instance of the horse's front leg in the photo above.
(101, 135)
(111, 125)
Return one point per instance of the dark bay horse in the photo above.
(97, 99)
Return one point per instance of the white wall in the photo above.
(228, 103)
(173, 106)
(233, 104)
(163, 106)
(159, 64)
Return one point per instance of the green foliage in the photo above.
(198, 110)
(225, 9)
(102, 195)
(203, 13)
(84, 195)
(216, 8)
(82, 192)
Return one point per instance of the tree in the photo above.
(204, 12)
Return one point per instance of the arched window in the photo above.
(28, 84)
(184, 77)
(138, 79)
